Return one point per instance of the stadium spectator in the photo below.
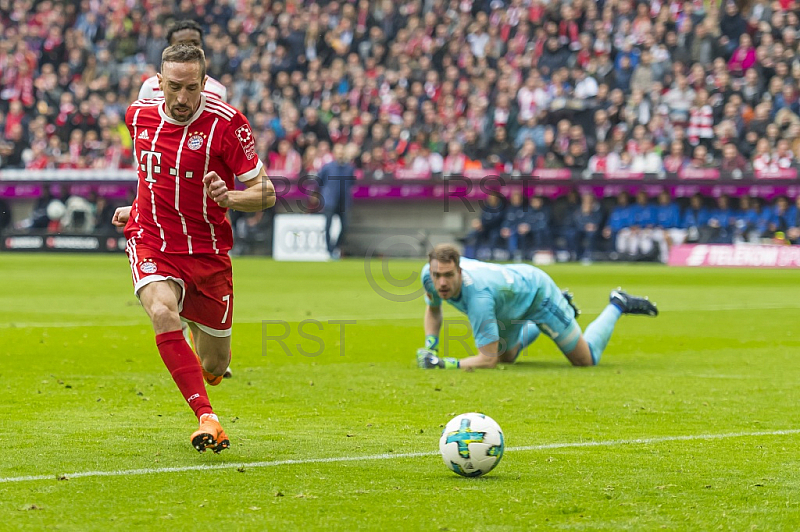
(286, 161)
(647, 161)
(586, 220)
(641, 242)
(743, 58)
(720, 223)
(343, 72)
(603, 161)
(534, 230)
(666, 231)
(676, 160)
(563, 216)
(335, 182)
(732, 160)
(793, 232)
(618, 223)
(512, 218)
(747, 220)
(695, 218)
(484, 236)
(778, 218)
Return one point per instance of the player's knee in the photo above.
(164, 318)
(216, 364)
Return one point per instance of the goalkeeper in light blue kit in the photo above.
(508, 306)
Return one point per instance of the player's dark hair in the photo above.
(445, 253)
(184, 25)
(185, 53)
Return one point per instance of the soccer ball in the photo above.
(472, 444)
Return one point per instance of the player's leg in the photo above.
(162, 300)
(189, 334)
(598, 333)
(519, 338)
(329, 212)
(213, 352)
(554, 315)
(209, 310)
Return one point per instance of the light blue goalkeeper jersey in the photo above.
(496, 298)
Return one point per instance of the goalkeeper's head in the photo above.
(445, 270)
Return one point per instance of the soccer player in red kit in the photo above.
(189, 148)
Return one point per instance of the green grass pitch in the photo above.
(694, 413)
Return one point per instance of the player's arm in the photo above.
(433, 324)
(258, 196)
(487, 358)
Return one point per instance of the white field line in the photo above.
(415, 316)
(391, 456)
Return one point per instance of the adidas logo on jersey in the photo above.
(144, 136)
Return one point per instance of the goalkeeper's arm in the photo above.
(428, 356)
(433, 324)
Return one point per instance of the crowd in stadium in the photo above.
(427, 85)
(625, 228)
(422, 86)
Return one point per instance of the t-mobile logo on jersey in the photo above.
(148, 165)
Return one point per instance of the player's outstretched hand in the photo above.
(121, 216)
(216, 189)
(428, 359)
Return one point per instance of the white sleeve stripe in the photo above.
(216, 105)
(247, 176)
(218, 113)
(224, 106)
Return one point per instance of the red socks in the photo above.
(186, 372)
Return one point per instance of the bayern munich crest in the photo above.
(195, 141)
(148, 266)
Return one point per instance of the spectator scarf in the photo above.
(701, 124)
(569, 30)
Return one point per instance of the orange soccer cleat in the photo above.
(210, 435)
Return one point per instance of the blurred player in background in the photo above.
(189, 149)
(508, 306)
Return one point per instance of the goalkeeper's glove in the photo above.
(427, 359)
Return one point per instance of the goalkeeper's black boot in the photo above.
(629, 304)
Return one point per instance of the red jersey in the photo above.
(172, 212)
